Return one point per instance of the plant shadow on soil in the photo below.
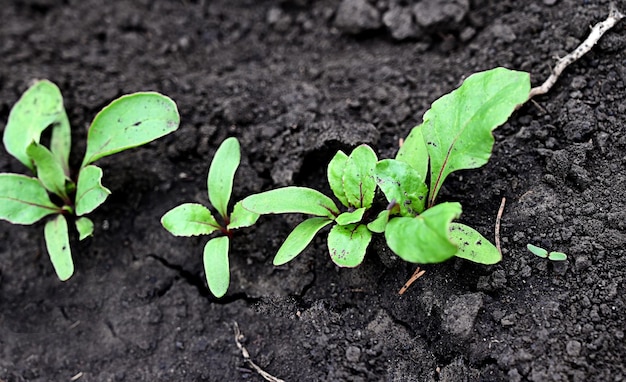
(293, 87)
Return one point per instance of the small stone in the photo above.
(357, 16)
(353, 354)
(434, 13)
(399, 20)
(573, 348)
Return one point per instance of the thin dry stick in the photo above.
(246, 356)
(498, 219)
(416, 275)
(596, 32)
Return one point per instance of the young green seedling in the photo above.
(351, 179)
(192, 219)
(129, 121)
(540, 252)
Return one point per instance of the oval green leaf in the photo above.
(39, 107)
(557, 256)
(347, 244)
(379, 224)
(90, 193)
(222, 173)
(334, 172)
(414, 152)
(472, 245)
(358, 177)
(299, 239)
(84, 226)
(537, 251)
(190, 219)
(288, 200)
(424, 239)
(402, 183)
(23, 200)
(49, 171)
(457, 128)
(351, 217)
(58, 245)
(130, 121)
(241, 217)
(216, 268)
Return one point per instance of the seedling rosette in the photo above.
(129, 121)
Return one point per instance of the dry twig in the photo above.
(246, 356)
(596, 33)
(416, 275)
(498, 219)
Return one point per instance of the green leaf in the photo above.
(537, 251)
(557, 256)
(61, 142)
(221, 174)
(403, 184)
(299, 239)
(347, 244)
(472, 245)
(23, 200)
(190, 219)
(351, 217)
(457, 128)
(423, 239)
(288, 200)
(58, 245)
(216, 268)
(335, 172)
(414, 152)
(39, 107)
(48, 169)
(379, 224)
(358, 177)
(84, 226)
(89, 190)
(241, 217)
(130, 121)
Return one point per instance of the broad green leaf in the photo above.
(537, 251)
(190, 219)
(61, 142)
(424, 238)
(216, 268)
(414, 152)
(351, 217)
(557, 256)
(221, 174)
(48, 169)
(457, 128)
(379, 224)
(299, 239)
(472, 245)
(347, 244)
(335, 172)
(23, 200)
(84, 226)
(130, 121)
(358, 177)
(402, 183)
(39, 107)
(241, 217)
(58, 245)
(288, 200)
(90, 193)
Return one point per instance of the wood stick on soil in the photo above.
(416, 275)
(596, 33)
(498, 219)
(246, 356)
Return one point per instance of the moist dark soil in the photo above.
(294, 81)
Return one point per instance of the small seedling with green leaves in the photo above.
(540, 252)
(129, 121)
(456, 134)
(193, 219)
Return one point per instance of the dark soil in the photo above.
(294, 85)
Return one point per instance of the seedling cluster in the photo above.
(456, 134)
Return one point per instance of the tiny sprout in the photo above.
(554, 256)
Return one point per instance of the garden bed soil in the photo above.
(294, 83)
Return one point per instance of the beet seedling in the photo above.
(455, 135)
(193, 219)
(129, 121)
(540, 252)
